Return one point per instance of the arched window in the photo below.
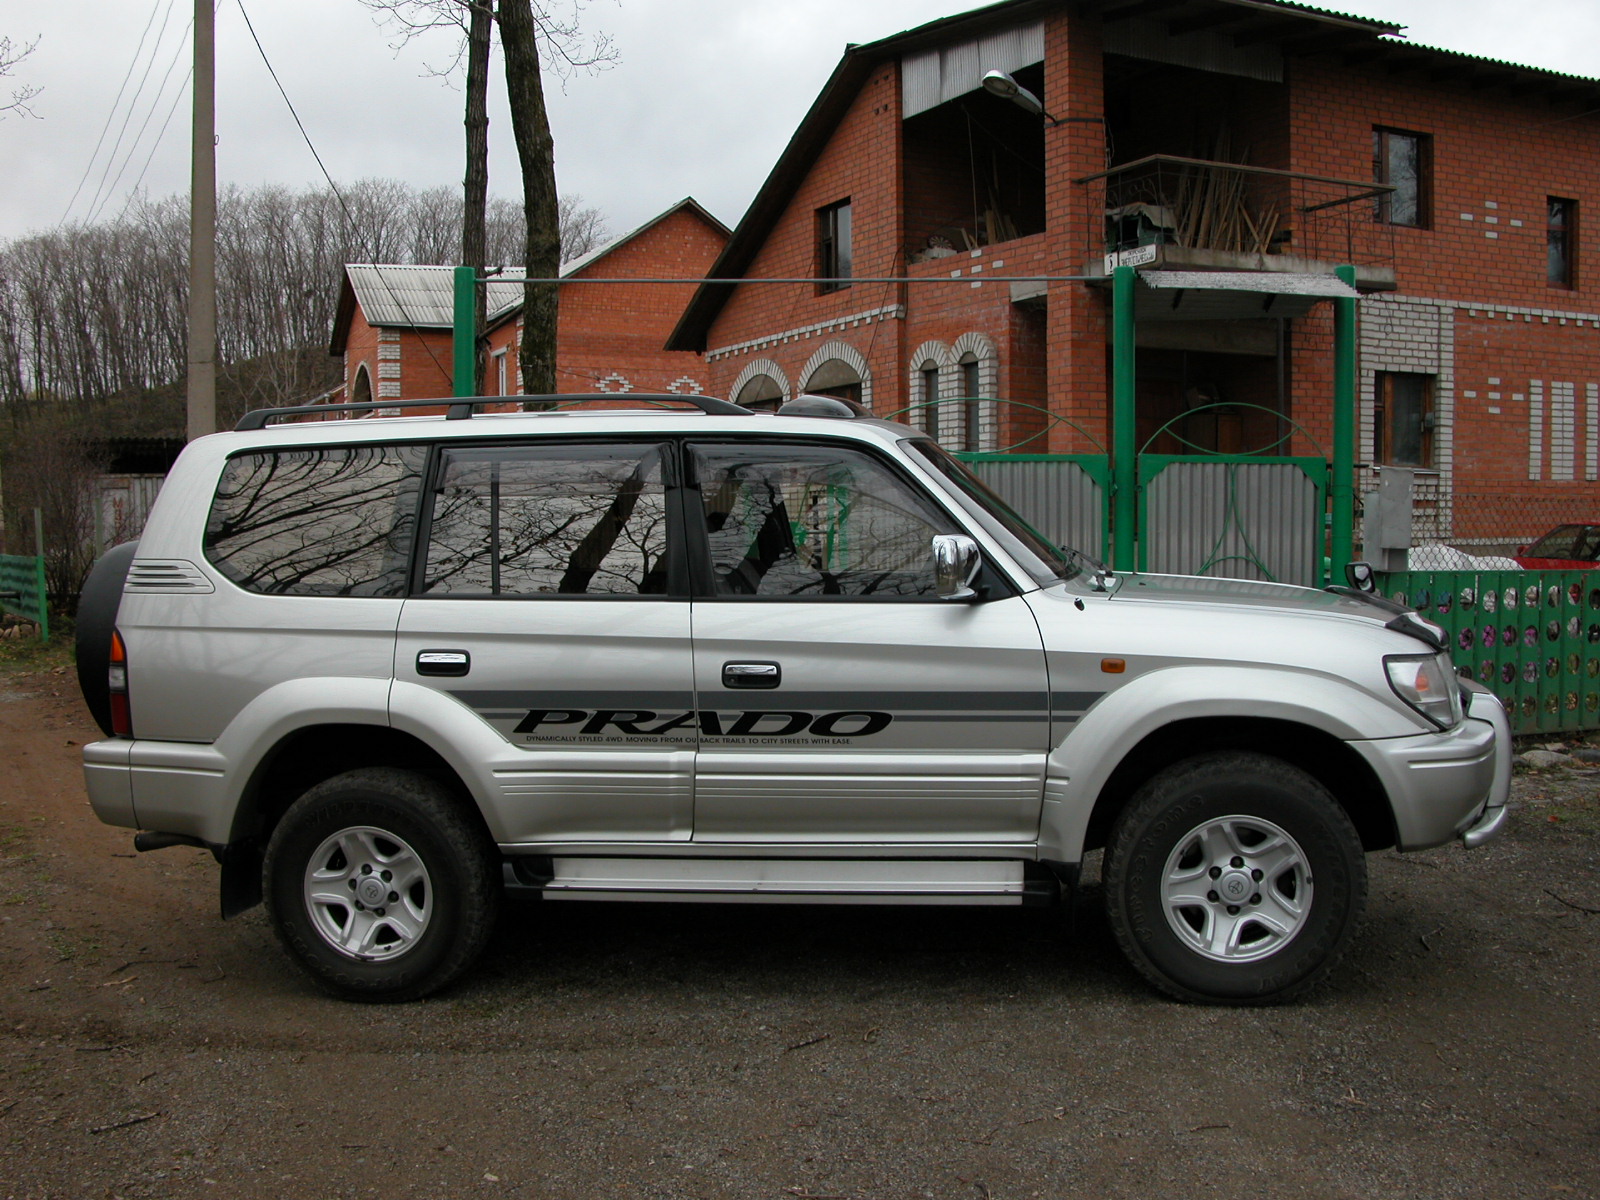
(760, 392)
(361, 386)
(974, 376)
(969, 415)
(762, 385)
(926, 388)
(838, 369)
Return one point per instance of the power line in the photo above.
(134, 190)
(112, 112)
(338, 195)
(143, 125)
(133, 102)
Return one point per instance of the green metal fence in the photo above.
(1533, 637)
(22, 590)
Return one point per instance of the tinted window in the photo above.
(813, 521)
(334, 521)
(551, 520)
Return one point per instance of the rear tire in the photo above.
(1234, 878)
(379, 886)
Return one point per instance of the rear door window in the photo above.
(553, 520)
(323, 521)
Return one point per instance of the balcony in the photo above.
(1169, 212)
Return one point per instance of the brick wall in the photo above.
(1472, 305)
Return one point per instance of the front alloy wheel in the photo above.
(1237, 889)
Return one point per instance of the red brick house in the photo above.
(1236, 152)
(393, 325)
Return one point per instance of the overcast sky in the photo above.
(702, 100)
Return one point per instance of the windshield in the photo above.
(1042, 559)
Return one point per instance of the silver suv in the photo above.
(383, 668)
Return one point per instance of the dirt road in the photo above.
(148, 1049)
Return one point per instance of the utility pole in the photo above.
(202, 389)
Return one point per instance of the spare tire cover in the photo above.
(97, 617)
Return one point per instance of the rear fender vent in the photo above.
(165, 576)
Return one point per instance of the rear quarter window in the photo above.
(326, 521)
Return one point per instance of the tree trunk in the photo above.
(475, 207)
(536, 153)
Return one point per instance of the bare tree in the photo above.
(12, 53)
(582, 227)
(535, 37)
(54, 469)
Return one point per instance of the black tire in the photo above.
(97, 617)
(1243, 827)
(403, 945)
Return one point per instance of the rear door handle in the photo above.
(751, 675)
(443, 662)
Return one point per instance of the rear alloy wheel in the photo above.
(379, 885)
(1234, 878)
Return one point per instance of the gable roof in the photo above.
(1297, 28)
(423, 297)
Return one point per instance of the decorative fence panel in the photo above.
(1252, 517)
(22, 590)
(1533, 637)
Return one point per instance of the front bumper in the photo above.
(1452, 784)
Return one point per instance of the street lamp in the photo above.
(1000, 83)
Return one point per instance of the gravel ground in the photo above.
(149, 1050)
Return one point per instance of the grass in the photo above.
(25, 656)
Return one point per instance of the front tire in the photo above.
(379, 886)
(1234, 878)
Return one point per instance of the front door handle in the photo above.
(751, 675)
(443, 662)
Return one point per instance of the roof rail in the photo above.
(461, 408)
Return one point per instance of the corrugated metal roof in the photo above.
(942, 73)
(419, 297)
(1404, 44)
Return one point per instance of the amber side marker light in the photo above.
(1113, 666)
(117, 677)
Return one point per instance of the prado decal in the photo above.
(767, 726)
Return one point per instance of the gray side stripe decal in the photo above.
(526, 700)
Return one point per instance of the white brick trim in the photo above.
(761, 366)
(889, 312)
(845, 353)
(931, 352)
(983, 349)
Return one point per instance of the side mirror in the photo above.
(956, 562)
(1361, 576)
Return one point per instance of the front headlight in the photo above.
(1427, 684)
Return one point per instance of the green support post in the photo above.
(1341, 488)
(1124, 454)
(465, 378)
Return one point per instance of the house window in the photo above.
(1402, 420)
(498, 373)
(1560, 238)
(930, 396)
(833, 246)
(971, 389)
(1403, 160)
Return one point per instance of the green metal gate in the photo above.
(22, 590)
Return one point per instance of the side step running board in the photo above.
(794, 881)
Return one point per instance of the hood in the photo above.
(1278, 597)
